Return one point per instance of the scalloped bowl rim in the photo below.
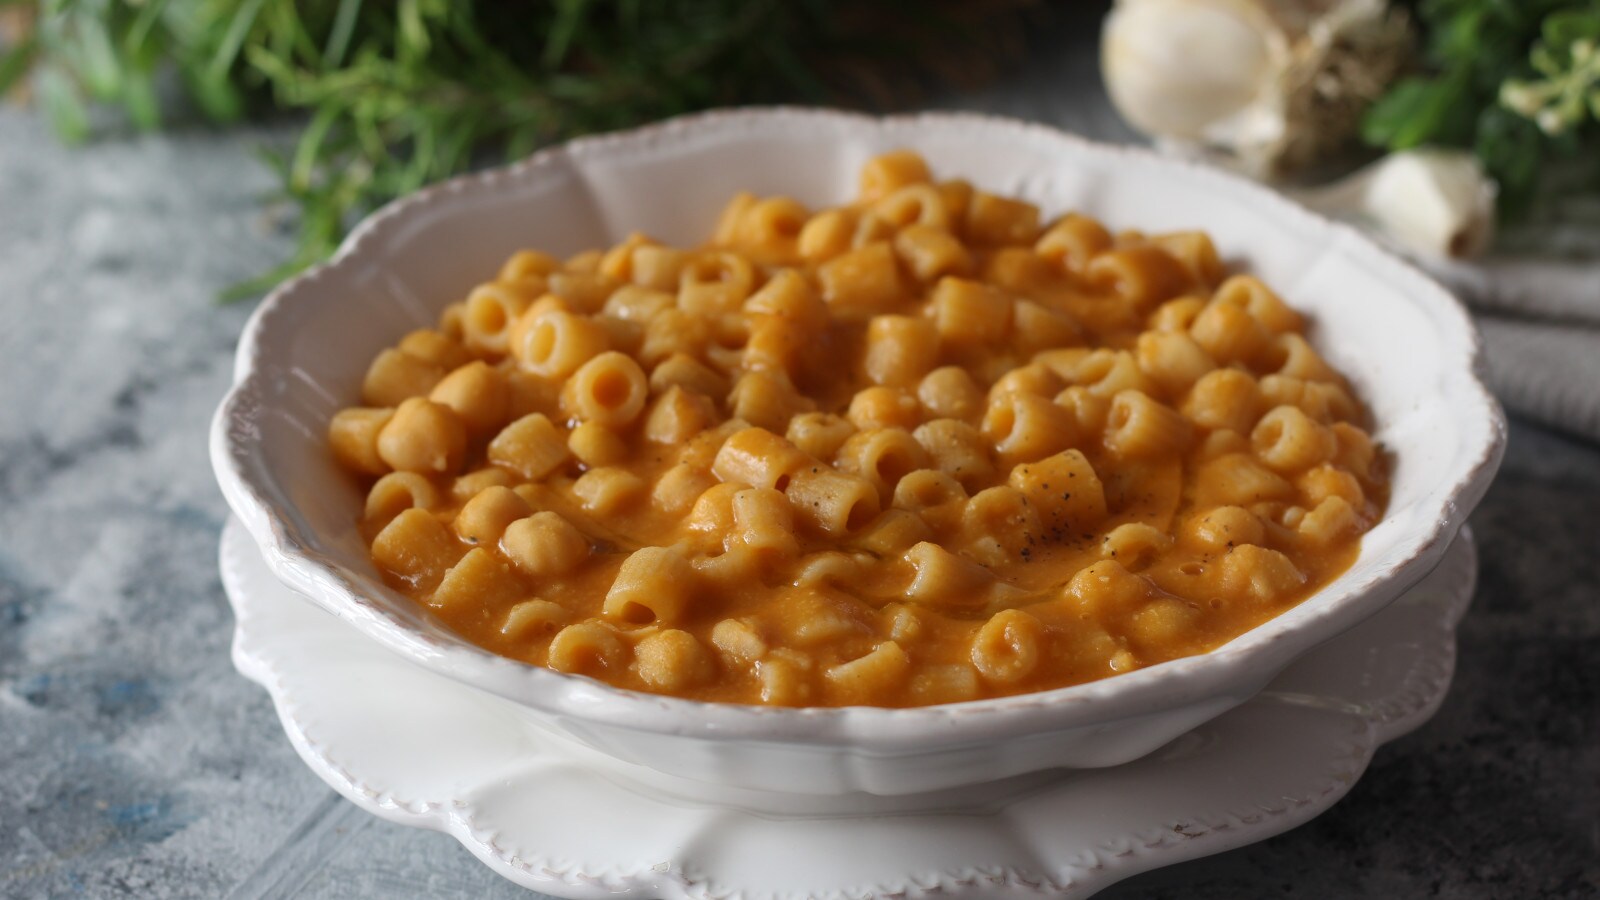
(1240, 667)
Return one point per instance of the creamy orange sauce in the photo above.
(1071, 454)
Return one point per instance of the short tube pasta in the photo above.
(1027, 427)
(773, 225)
(930, 252)
(950, 393)
(655, 584)
(958, 449)
(1139, 427)
(1073, 241)
(1228, 333)
(1007, 648)
(995, 220)
(928, 489)
(1248, 293)
(819, 435)
(1133, 544)
(900, 349)
(1143, 277)
(882, 456)
(1195, 252)
(606, 490)
(532, 445)
(527, 265)
(885, 174)
(587, 648)
(353, 435)
(486, 320)
(534, 617)
(914, 204)
(715, 283)
(945, 579)
(417, 547)
(868, 675)
(833, 502)
(1290, 441)
(763, 521)
(478, 579)
(554, 343)
(970, 312)
(478, 394)
(1224, 399)
(1172, 359)
(677, 416)
(396, 376)
(759, 458)
(397, 492)
(609, 390)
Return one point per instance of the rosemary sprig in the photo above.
(401, 93)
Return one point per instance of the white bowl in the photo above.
(1405, 343)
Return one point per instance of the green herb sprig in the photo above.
(1517, 83)
(1566, 94)
(401, 93)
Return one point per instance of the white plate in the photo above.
(423, 750)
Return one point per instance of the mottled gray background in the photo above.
(134, 762)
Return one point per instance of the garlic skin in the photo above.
(1275, 86)
(1436, 204)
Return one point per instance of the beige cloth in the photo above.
(1541, 330)
(1547, 371)
(1566, 290)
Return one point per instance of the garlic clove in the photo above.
(1433, 202)
(1273, 86)
(1175, 68)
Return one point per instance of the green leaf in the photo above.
(143, 25)
(1458, 39)
(232, 40)
(344, 25)
(306, 152)
(414, 39)
(218, 97)
(1417, 111)
(1562, 29)
(1512, 150)
(62, 106)
(569, 14)
(139, 99)
(100, 69)
(16, 62)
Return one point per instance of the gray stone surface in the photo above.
(134, 762)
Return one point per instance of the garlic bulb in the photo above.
(1437, 204)
(1277, 86)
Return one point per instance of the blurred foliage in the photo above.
(1515, 81)
(401, 93)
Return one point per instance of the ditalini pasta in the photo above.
(925, 447)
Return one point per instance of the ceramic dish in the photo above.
(422, 750)
(1408, 347)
